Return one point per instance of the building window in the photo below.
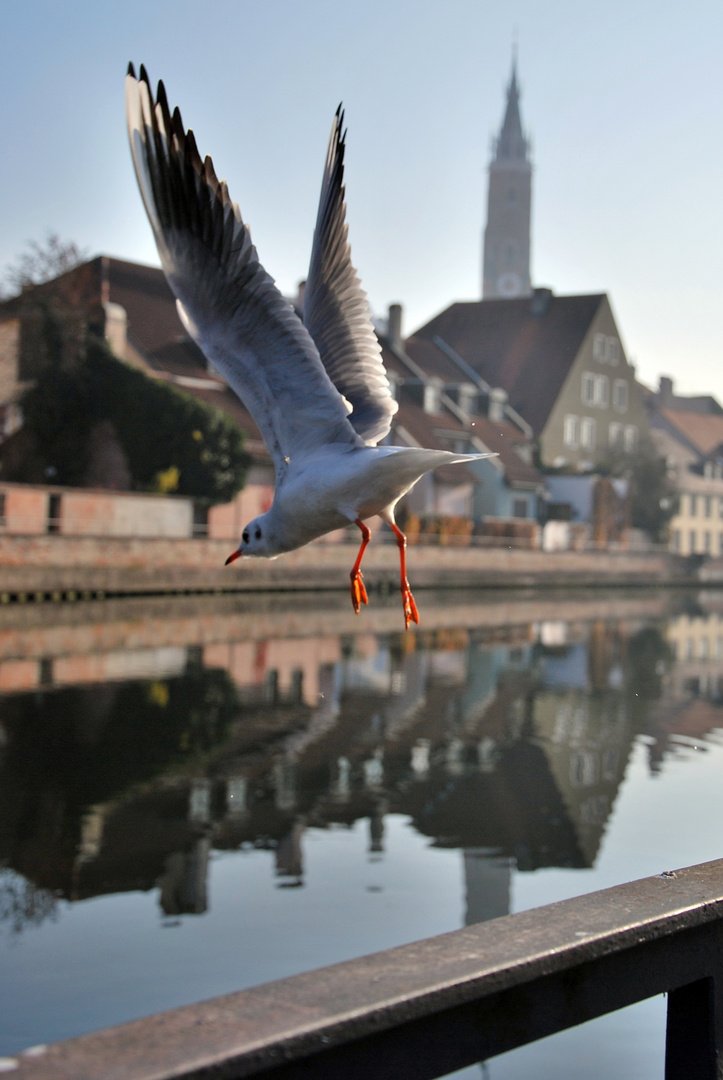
(708, 506)
(693, 503)
(631, 437)
(675, 539)
(706, 542)
(519, 508)
(54, 513)
(587, 433)
(588, 389)
(620, 395)
(691, 537)
(570, 431)
(595, 390)
(606, 349)
(598, 348)
(612, 350)
(3, 522)
(615, 433)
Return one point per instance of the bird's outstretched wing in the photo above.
(336, 311)
(226, 300)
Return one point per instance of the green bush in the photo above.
(171, 441)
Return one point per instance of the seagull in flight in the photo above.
(317, 389)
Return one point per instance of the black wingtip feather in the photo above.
(144, 76)
(131, 70)
(161, 98)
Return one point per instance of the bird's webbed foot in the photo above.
(411, 615)
(358, 590)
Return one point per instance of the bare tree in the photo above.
(42, 261)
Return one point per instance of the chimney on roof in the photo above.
(496, 404)
(540, 302)
(116, 328)
(394, 326)
(665, 392)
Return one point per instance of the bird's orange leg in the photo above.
(358, 591)
(410, 608)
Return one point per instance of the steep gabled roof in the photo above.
(527, 354)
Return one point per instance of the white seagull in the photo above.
(317, 389)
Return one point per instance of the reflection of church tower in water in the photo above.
(506, 258)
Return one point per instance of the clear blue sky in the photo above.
(624, 102)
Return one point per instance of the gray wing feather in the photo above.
(227, 301)
(336, 311)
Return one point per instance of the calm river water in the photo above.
(198, 794)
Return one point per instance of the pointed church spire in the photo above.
(511, 143)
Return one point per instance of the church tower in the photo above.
(506, 259)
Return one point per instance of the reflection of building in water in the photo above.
(290, 857)
(487, 880)
(495, 741)
(689, 706)
(586, 741)
(183, 881)
(696, 643)
(376, 827)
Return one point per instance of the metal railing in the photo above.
(426, 1009)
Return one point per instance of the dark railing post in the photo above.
(692, 1037)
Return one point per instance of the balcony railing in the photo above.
(427, 1009)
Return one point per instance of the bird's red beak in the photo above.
(232, 558)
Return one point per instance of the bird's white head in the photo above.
(255, 540)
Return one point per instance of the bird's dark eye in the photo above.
(257, 534)
(245, 536)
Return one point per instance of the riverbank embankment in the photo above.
(41, 566)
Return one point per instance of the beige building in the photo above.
(561, 362)
(691, 440)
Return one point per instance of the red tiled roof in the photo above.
(527, 355)
(151, 307)
(704, 432)
(499, 438)
(433, 361)
(423, 429)
(503, 438)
